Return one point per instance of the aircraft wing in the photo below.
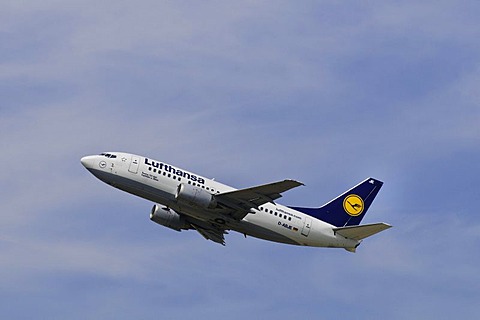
(243, 200)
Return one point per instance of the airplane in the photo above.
(185, 201)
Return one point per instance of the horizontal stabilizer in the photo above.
(362, 231)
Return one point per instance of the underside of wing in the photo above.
(209, 231)
(243, 200)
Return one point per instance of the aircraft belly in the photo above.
(322, 235)
(135, 187)
(262, 232)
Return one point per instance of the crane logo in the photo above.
(353, 205)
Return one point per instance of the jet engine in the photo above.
(195, 196)
(168, 218)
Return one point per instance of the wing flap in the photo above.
(209, 231)
(362, 231)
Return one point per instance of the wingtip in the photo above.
(298, 183)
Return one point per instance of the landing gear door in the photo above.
(307, 226)
(134, 164)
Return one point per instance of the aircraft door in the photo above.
(134, 164)
(307, 226)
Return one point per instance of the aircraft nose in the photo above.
(87, 161)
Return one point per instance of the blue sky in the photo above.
(327, 93)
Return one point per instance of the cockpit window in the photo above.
(108, 155)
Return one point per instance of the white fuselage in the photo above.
(158, 182)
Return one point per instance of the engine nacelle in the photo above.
(195, 196)
(168, 218)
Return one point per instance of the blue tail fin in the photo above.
(349, 208)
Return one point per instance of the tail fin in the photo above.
(349, 208)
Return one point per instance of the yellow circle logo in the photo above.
(353, 205)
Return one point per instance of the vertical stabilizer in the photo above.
(349, 208)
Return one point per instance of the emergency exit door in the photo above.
(134, 164)
(307, 226)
